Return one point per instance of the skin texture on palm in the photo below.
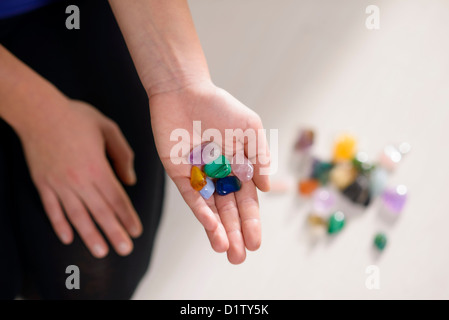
(232, 222)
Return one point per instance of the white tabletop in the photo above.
(314, 63)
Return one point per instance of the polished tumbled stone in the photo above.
(394, 199)
(219, 168)
(323, 200)
(359, 191)
(197, 178)
(305, 140)
(228, 185)
(204, 153)
(316, 220)
(242, 168)
(320, 171)
(380, 241)
(345, 148)
(342, 175)
(378, 181)
(390, 157)
(361, 163)
(208, 190)
(336, 222)
(308, 186)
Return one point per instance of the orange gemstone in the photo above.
(307, 187)
(197, 178)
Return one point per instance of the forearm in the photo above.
(161, 37)
(26, 99)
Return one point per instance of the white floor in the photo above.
(314, 63)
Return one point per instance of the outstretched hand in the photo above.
(232, 222)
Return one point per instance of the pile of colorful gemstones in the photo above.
(211, 171)
(351, 174)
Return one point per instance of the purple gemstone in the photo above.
(305, 140)
(204, 154)
(323, 200)
(395, 199)
(242, 168)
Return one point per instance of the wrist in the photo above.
(176, 83)
(31, 110)
(27, 100)
(182, 92)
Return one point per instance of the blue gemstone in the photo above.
(228, 185)
(208, 189)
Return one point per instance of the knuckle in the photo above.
(89, 235)
(255, 121)
(58, 223)
(101, 214)
(114, 233)
(76, 216)
(249, 202)
(112, 125)
(234, 229)
(118, 202)
(127, 219)
(73, 177)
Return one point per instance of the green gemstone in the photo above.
(380, 241)
(320, 171)
(336, 222)
(218, 168)
(360, 162)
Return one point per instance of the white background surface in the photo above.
(313, 63)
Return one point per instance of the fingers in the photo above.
(218, 238)
(83, 223)
(261, 178)
(107, 220)
(117, 199)
(108, 205)
(120, 152)
(258, 152)
(229, 215)
(196, 203)
(248, 206)
(56, 215)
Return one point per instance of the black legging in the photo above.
(91, 64)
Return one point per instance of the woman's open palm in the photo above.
(232, 222)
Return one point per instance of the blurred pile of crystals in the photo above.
(348, 173)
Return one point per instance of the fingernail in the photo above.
(99, 250)
(65, 238)
(135, 232)
(132, 176)
(124, 248)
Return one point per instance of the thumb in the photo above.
(120, 152)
